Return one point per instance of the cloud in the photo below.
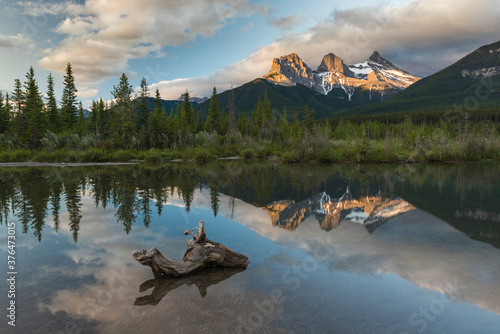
(285, 23)
(12, 41)
(423, 36)
(102, 36)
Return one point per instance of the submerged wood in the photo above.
(201, 253)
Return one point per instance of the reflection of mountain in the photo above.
(370, 211)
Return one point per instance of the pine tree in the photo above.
(243, 124)
(199, 123)
(187, 115)
(53, 117)
(308, 120)
(213, 122)
(33, 112)
(124, 116)
(283, 126)
(68, 100)
(18, 122)
(18, 97)
(224, 122)
(142, 108)
(143, 112)
(232, 111)
(81, 124)
(157, 122)
(4, 116)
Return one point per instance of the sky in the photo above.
(199, 44)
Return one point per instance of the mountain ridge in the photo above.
(376, 74)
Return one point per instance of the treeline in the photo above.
(127, 128)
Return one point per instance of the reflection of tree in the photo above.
(125, 201)
(441, 190)
(163, 285)
(55, 202)
(73, 200)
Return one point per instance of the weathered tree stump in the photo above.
(201, 253)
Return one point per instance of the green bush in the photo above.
(124, 155)
(94, 155)
(248, 153)
(290, 157)
(204, 154)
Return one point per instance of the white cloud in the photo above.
(422, 37)
(102, 36)
(287, 22)
(12, 41)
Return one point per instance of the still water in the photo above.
(332, 249)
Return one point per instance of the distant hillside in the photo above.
(471, 83)
(168, 104)
(285, 97)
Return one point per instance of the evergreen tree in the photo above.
(81, 124)
(187, 122)
(224, 122)
(4, 116)
(142, 108)
(33, 112)
(156, 123)
(53, 117)
(123, 109)
(199, 123)
(18, 97)
(213, 122)
(232, 111)
(68, 100)
(308, 120)
(283, 126)
(243, 124)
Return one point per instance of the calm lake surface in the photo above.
(332, 249)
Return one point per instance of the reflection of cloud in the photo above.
(104, 252)
(414, 246)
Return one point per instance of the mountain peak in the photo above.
(376, 57)
(332, 63)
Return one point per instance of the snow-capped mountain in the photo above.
(369, 211)
(375, 75)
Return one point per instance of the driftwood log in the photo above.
(201, 253)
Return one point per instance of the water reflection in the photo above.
(465, 196)
(305, 235)
(162, 285)
(369, 211)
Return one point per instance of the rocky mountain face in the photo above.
(376, 74)
(370, 211)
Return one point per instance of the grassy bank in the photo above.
(317, 148)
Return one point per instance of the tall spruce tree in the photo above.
(123, 108)
(53, 116)
(156, 122)
(187, 115)
(4, 116)
(81, 124)
(142, 107)
(308, 120)
(232, 111)
(33, 112)
(213, 121)
(68, 100)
